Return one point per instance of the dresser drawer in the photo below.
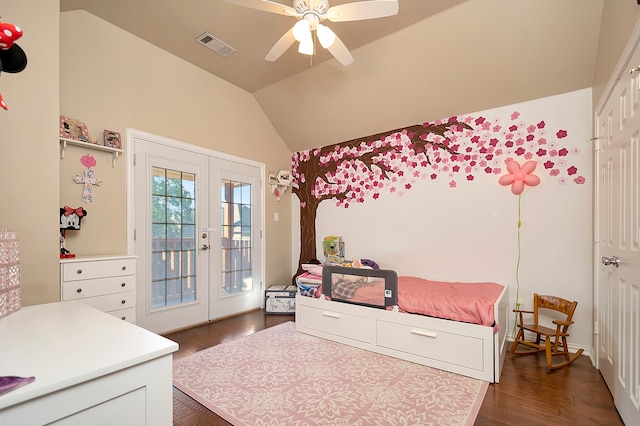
(111, 302)
(128, 314)
(452, 348)
(337, 323)
(74, 271)
(73, 290)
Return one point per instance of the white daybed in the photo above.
(472, 350)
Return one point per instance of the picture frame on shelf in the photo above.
(71, 128)
(112, 139)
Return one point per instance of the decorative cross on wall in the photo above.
(88, 180)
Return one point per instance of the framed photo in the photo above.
(70, 128)
(112, 139)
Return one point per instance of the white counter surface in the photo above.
(66, 343)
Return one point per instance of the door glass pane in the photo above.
(236, 241)
(173, 244)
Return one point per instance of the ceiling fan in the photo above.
(311, 14)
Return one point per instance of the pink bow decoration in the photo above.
(518, 176)
(68, 211)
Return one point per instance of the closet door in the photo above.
(618, 241)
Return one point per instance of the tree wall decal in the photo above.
(360, 169)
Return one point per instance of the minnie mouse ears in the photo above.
(12, 57)
(13, 60)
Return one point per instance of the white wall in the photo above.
(30, 155)
(469, 233)
(110, 79)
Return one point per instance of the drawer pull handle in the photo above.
(79, 271)
(331, 314)
(124, 268)
(79, 290)
(423, 333)
(123, 301)
(123, 284)
(123, 318)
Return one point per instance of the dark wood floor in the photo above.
(526, 395)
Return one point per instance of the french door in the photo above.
(197, 231)
(238, 285)
(617, 249)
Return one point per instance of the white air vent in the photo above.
(215, 44)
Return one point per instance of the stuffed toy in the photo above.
(69, 219)
(284, 178)
(12, 57)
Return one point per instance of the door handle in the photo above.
(613, 260)
(205, 247)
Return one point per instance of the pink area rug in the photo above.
(280, 377)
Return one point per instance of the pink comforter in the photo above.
(466, 302)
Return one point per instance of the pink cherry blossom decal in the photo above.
(518, 176)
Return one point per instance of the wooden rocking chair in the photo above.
(555, 340)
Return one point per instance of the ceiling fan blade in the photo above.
(266, 6)
(361, 10)
(340, 52)
(281, 46)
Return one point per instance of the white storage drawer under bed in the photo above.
(339, 324)
(462, 348)
(464, 351)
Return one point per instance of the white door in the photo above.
(177, 228)
(618, 243)
(236, 244)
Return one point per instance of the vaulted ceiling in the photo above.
(434, 59)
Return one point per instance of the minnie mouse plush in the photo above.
(12, 57)
(69, 219)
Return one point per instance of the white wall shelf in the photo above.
(114, 151)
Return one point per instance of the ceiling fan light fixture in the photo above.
(302, 31)
(325, 35)
(310, 14)
(306, 47)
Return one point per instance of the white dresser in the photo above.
(107, 283)
(90, 369)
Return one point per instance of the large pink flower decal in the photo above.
(518, 176)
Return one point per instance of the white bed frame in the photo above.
(468, 349)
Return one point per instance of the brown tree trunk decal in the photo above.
(308, 213)
(350, 170)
